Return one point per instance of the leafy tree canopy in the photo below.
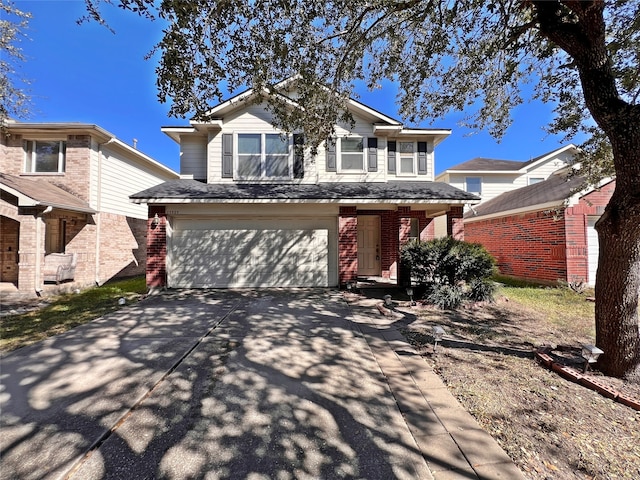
(475, 56)
(14, 98)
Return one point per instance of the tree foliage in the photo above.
(14, 97)
(481, 57)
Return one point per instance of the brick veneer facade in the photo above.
(546, 245)
(107, 245)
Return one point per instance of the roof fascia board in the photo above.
(65, 127)
(23, 200)
(359, 201)
(516, 211)
(575, 198)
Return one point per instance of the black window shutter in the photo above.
(372, 154)
(298, 155)
(331, 155)
(227, 155)
(391, 156)
(422, 158)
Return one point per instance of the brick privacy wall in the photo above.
(347, 245)
(156, 270)
(123, 246)
(530, 245)
(9, 234)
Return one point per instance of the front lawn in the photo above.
(551, 427)
(64, 312)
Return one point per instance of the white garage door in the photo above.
(253, 252)
(592, 249)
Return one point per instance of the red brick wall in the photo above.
(530, 245)
(455, 223)
(156, 248)
(123, 246)
(347, 245)
(11, 154)
(76, 178)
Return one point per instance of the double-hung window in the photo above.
(474, 185)
(407, 158)
(263, 155)
(352, 154)
(44, 156)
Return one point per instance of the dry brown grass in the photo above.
(552, 428)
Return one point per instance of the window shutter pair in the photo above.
(227, 155)
(372, 155)
(422, 157)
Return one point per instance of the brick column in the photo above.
(348, 245)
(455, 225)
(157, 248)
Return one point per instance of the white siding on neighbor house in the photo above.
(549, 166)
(193, 156)
(592, 249)
(122, 177)
(492, 185)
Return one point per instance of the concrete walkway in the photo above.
(274, 384)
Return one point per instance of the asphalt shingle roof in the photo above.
(556, 188)
(489, 164)
(194, 190)
(45, 193)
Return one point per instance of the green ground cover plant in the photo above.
(63, 312)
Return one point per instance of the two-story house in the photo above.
(488, 178)
(256, 207)
(64, 188)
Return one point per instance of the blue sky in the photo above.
(88, 74)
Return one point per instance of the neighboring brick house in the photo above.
(65, 188)
(543, 231)
(256, 208)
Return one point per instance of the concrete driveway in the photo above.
(248, 385)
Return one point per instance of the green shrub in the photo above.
(461, 266)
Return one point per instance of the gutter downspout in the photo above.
(99, 210)
(39, 284)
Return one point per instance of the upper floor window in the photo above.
(407, 158)
(474, 185)
(533, 180)
(352, 154)
(44, 156)
(263, 155)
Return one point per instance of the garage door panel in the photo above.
(220, 256)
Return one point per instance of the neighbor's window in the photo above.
(351, 154)
(533, 180)
(473, 185)
(407, 158)
(44, 156)
(263, 155)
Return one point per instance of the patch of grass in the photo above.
(561, 306)
(67, 311)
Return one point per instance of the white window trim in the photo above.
(400, 155)
(262, 177)
(61, 157)
(466, 186)
(339, 155)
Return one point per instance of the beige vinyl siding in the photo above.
(492, 184)
(122, 177)
(546, 168)
(193, 156)
(364, 129)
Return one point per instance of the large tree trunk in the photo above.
(618, 285)
(579, 29)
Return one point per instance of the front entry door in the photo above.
(368, 245)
